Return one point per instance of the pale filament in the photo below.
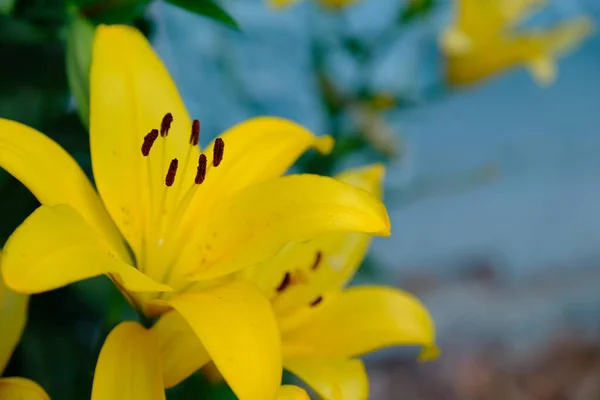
(161, 221)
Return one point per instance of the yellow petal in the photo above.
(53, 176)
(557, 42)
(55, 247)
(369, 178)
(515, 11)
(328, 261)
(258, 221)
(332, 378)
(543, 70)
(181, 352)
(256, 150)
(455, 41)
(484, 19)
(238, 328)
(129, 365)
(13, 314)
(361, 320)
(291, 392)
(130, 93)
(567, 36)
(429, 353)
(22, 389)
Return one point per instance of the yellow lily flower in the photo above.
(132, 351)
(13, 314)
(484, 41)
(168, 224)
(331, 4)
(324, 327)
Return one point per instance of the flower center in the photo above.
(300, 277)
(167, 211)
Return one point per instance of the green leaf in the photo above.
(208, 8)
(416, 9)
(6, 6)
(22, 32)
(79, 54)
(112, 12)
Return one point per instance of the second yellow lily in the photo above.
(168, 224)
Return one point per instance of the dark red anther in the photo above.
(218, 152)
(316, 301)
(201, 171)
(287, 279)
(195, 136)
(149, 141)
(170, 179)
(165, 125)
(317, 261)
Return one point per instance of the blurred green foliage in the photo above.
(416, 9)
(80, 35)
(209, 9)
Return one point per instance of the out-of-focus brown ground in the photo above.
(566, 369)
(561, 365)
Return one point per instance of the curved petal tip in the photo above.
(324, 144)
(429, 353)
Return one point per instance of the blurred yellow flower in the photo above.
(168, 224)
(332, 4)
(13, 314)
(324, 327)
(485, 40)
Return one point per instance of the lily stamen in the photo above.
(287, 280)
(195, 135)
(317, 261)
(166, 215)
(218, 151)
(194, 139)
(170, 178)
(166, 124)
(149, 140)
(316, 301)
(201, 171)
